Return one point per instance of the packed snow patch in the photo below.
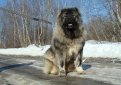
(109, 73)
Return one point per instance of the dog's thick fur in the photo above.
(65, 53)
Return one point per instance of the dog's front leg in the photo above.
(60, 64)
(78, 64)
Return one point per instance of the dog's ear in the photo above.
(76, 10)
(63, 10)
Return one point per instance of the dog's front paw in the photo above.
(80, 70)
(62, 72)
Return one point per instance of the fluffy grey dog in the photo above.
(65, 53)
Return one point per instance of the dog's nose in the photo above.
(70, 24)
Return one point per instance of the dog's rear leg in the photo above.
(47, 66)
(50, 68)
(54, 70)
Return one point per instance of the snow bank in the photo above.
(92, 48)
(31, 50)
(102, 49)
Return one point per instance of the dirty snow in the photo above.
(109, 73)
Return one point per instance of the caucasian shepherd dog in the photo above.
(65, 53)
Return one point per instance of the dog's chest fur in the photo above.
(69, 46)
(74, 48)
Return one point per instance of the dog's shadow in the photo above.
(86, 66)
(14, 66)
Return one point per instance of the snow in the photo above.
(92, 48)
(31, 50)
(102, 49)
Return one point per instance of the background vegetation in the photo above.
(24, 22)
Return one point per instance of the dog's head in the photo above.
(70, 20)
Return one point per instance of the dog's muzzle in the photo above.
(70, 22)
